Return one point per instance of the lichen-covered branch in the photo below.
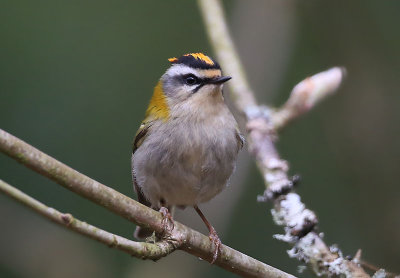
(263, 123)
(299, 223)
(140, 250)
(188, 240)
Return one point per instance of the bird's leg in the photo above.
(167, 221)
(213, 236)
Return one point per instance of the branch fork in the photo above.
(263, 123)
(181, 237)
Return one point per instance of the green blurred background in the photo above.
(75, 80)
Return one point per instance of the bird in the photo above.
(186, 148)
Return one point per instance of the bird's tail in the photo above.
(140, 232)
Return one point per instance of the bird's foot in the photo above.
(214, 238)
(167, 221)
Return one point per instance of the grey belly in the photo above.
(187, 174)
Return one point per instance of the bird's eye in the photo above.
(191, 79)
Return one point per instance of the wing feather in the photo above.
(240, 139)
(141, 135)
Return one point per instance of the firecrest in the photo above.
(186, 147)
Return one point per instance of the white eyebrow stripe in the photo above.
(180, 69)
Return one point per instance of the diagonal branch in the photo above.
(299, 223)
(140, 250)
(191, 241)
(263, 123)
(218, 33)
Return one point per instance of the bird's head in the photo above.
(193, 73)
(192, 80)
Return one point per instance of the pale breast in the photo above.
(186, 162)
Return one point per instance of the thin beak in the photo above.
(219, 80)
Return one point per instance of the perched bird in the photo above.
(186, 148)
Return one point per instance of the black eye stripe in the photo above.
(201, 82)
(198, 87)
(191, 79)
(197, 83)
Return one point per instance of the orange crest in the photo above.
(195, 60)
(201, 57)
(173, 60)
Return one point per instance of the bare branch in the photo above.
(307, 94)
(140, 250)
(191, 241)
(298, 222)
(218, 33)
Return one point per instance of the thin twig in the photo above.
(140, 250)
(307, 94)
(191, 241)
(263, 123)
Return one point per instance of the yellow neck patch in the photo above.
(158, 107)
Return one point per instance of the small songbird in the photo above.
(186, 148)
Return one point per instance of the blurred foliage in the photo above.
(75, 79)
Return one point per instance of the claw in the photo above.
(214, 238)
(167, 221)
